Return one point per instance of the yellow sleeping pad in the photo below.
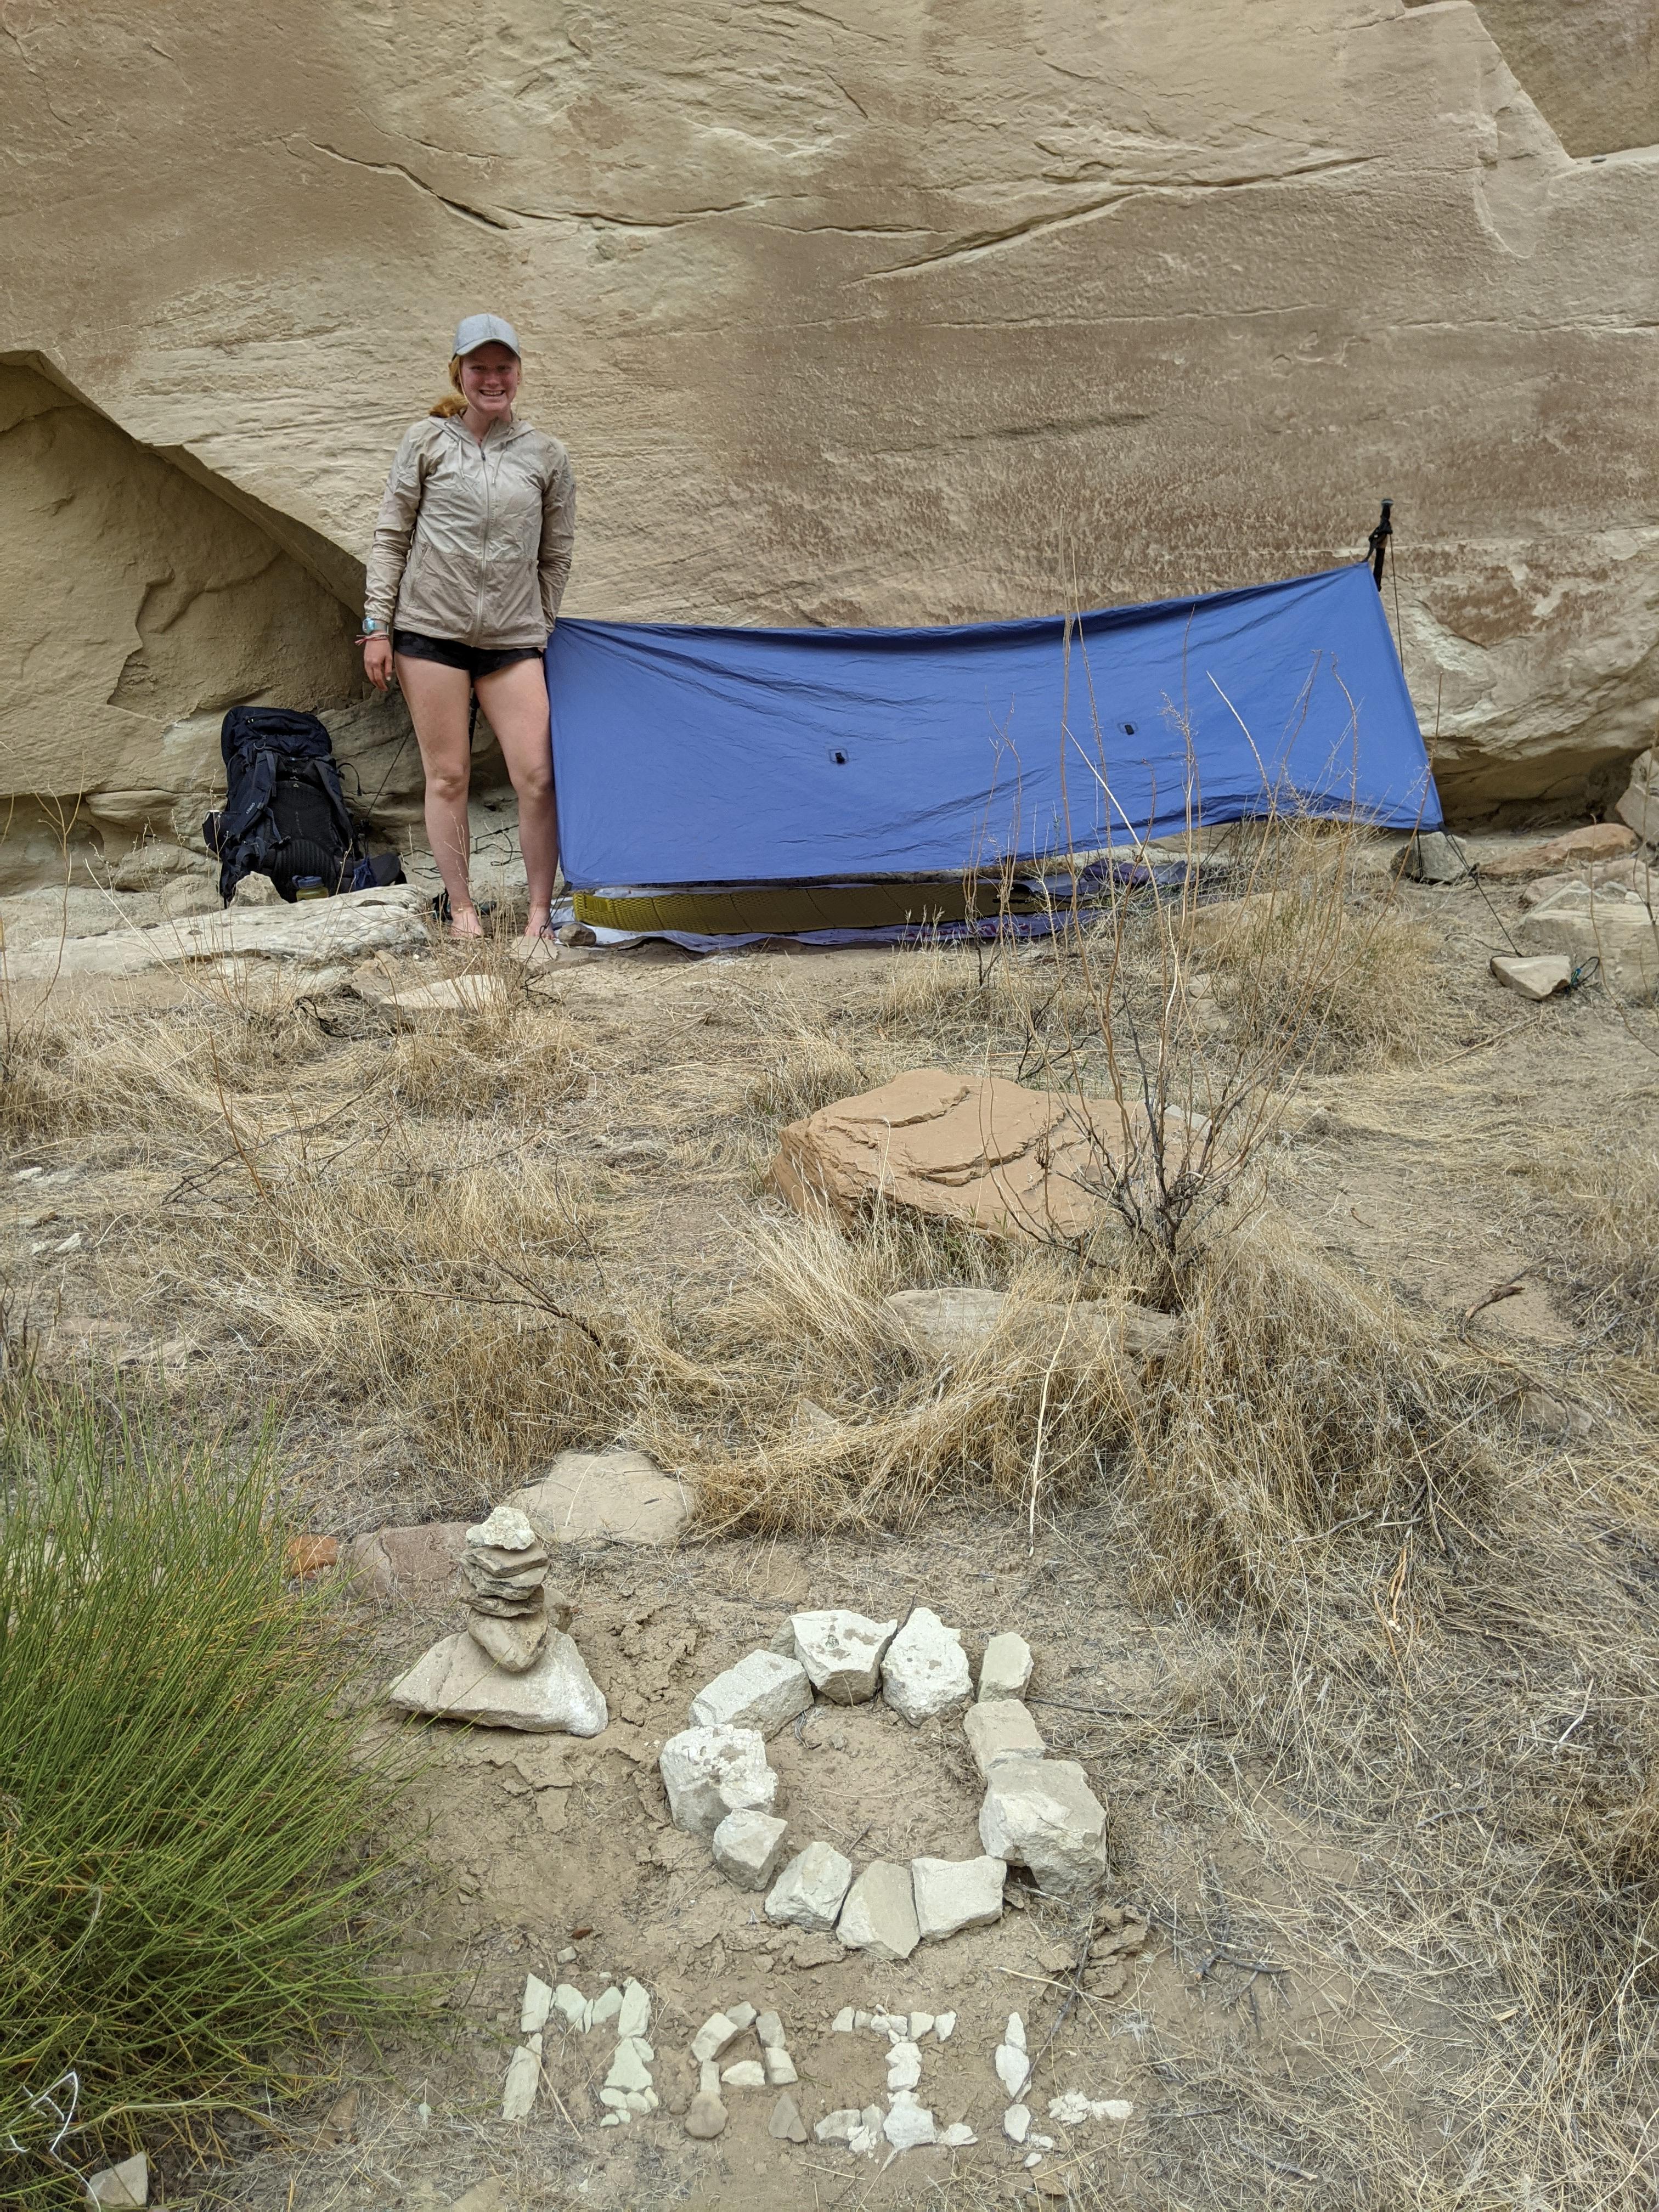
(790, 909)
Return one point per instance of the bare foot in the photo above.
(540, 923)
(467, 923)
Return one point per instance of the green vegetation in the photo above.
(191, 1840)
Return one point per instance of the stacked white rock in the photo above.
(513, 1666)
(504, 1568)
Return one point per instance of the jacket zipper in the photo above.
(483, 551)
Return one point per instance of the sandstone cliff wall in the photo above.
(886, 310)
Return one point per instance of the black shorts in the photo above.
(450, 653)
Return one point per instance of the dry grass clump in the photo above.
(798, 1403)
(514, 1057)
(455, 1299)
(38, 1095)
(63, 1063)
(1302, 1402)
(807, 1072)
(1601, 1185)
(1374, 997)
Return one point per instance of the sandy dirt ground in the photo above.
(1289, 1990)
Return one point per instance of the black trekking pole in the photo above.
(1376, 545)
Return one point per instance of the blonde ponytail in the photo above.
(453, 402)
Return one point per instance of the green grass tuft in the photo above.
(191, 1839)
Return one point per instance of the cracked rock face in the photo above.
(841, 1652)
(1041, 1813)
(912, 304)
(711, 1772)
(926, 1669)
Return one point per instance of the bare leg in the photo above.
(515, 700)
(439, 699)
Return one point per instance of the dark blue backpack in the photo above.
(285, 814)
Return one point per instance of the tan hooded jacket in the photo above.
(473, 542)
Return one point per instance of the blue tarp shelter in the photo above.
(709, 763)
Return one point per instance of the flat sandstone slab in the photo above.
(978, 1150)
(455, 1681)
(313, 934)
(588, 1497)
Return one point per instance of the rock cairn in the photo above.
(504, 1571)
(512, 1666)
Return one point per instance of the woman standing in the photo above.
(471, 549)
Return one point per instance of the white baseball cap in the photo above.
(475, 331)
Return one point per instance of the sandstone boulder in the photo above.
(1541, 977)
(1041, 1813)
(1639, 807)
(1593, 841)
(1435, 858)
(953, 1894)
(420, 1565)
(711, 1772)
(809, 1891)
(841, 1652)
(1619, 936)
(880, 1915)
(899, 302)
(748, 1848)
(925, 1671)
(977, 1150)
(1003, 1729)
(1005, 1669)
(763, 1691)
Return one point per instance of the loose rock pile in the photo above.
(1038, 1813)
